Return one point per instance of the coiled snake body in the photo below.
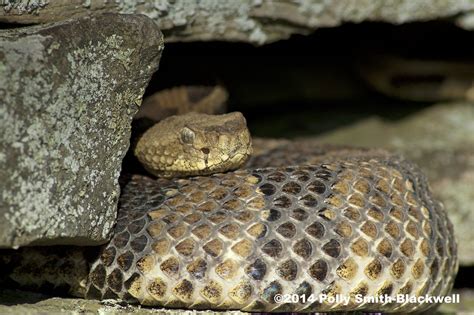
(341, 222)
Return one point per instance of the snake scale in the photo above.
(299, 218)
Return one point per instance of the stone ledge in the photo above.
(254, 21)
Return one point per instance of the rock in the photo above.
(440, 140)
(22, 302)
(254, 21)
(466, 21)
(68, 96)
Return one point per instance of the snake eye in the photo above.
(187, 135)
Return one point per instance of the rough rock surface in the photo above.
(440, 140)
(255, 21)
(21, 302)
(68, 96)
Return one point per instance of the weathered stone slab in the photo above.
(254, 21)
(68, 92)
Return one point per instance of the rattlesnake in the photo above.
(299, 218)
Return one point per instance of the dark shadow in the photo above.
(465, 278)
(6, 26)
(11, 297)
(309, 83)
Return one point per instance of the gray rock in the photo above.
(21, 302)
(440, 140)
(254, 21)
(68, 93)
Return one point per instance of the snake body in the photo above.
(363, 224)
(300, 219)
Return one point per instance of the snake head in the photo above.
(195, 144)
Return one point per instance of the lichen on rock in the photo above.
(68, 97)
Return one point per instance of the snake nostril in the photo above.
(205, 150)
